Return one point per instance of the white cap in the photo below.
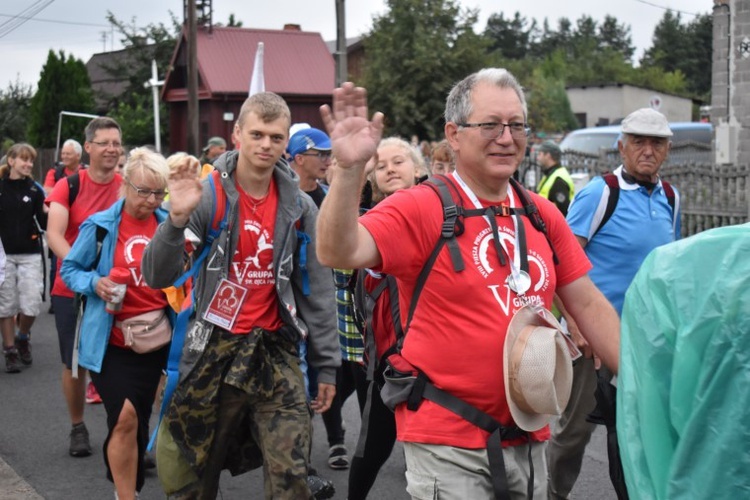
(646, 121)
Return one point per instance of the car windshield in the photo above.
(589, 143)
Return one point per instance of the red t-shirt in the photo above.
(49, 179)
(132, 237)
(458, 330)
(92, 197)
(252, 263)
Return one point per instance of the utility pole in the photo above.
(192, 80)
(155, 83)
(342, 72)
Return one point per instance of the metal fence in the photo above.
(711, 195)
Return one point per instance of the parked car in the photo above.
(591, 140)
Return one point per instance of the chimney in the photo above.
(292, 27)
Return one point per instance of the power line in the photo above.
(28, 13)
(54, 21)
(668, 8)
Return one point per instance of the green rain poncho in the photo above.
(683, 405)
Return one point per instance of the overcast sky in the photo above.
(78, 26)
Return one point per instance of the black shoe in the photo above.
(337, 457)
(319, 487)
(51, 310)
(79, 441)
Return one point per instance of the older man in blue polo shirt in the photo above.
(616, 241)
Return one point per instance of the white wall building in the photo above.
(607, 104)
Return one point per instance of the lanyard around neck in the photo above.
(519, 279)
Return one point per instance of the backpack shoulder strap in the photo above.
(364, 305)
(59, 171)
(452, 220)
(220, 208)
(613, 193)
(532, 212)
(671, 198)
(219, 215)
(101, 233)
(74, 185)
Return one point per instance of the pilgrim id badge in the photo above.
(225, 304)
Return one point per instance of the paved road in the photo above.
(34, 461)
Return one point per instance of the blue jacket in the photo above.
(78, 275)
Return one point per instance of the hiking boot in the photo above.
(12, 360)
(338, 457)
(24, 350)
(92, 396)
(319, 487)
(79, 441)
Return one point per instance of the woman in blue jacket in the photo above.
(125, 366)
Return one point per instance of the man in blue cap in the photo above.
(309, 152)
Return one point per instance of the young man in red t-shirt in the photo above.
(457, 334)
(99, 187)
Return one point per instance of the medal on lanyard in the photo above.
(519, 279)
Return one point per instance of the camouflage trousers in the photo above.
(242, 406)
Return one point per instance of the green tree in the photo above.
(134, 107)
(416, 51)
(549, 107)
(512, 38)
(15, 102)
(63, 86)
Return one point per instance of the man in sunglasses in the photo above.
(309, 152)
(70, 203)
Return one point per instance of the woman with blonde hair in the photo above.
(22, 222)
(124, 336)
(395, 158)
(395, 168)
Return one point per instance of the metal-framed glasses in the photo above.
(107, 144)
(323, 155)
(493, 130)
(145, 193)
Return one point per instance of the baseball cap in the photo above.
(309, 138)
(215, 141)
(646, 121)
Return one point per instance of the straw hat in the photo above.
(537, 368)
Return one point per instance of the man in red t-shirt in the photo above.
(69, 164)
(99, 187)
(457, 334)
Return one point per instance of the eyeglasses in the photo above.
(145, 193)
(493, 130)
(323, 155)
(105, 144)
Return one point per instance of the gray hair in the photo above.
(458, 105)
(76, 146)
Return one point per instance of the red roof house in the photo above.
(297, 66)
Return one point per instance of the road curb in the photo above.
(12, 487)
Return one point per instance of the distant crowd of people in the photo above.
(476, 321)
